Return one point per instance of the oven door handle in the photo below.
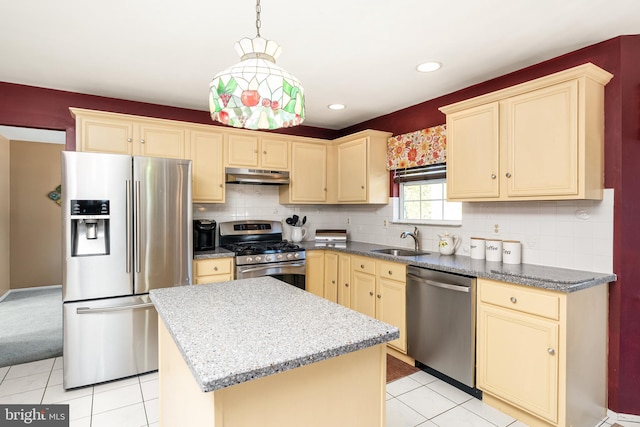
(267, 266)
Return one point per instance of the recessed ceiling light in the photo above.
(336, 106)
(428, 67)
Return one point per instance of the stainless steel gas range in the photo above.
(260, 251)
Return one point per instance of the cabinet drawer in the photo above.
(209, 267)
(392, 270)
(514, 297)
(365, 265)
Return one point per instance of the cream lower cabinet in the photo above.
(314, 276)
(534, 359)
(540, 140)
(212, 270)
(103, 132)
(331, 276)
(378, 289)
(308, 178)
(344, 279)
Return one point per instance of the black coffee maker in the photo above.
(204, 235)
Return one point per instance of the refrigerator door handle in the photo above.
(89, 310)
(128, 227)
(137, 225)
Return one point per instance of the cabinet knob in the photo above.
(129, 139)
(362, 186)
(390, 273)
(346, 285)
(362, 266)
(508, 175)
(371, 293)
(333, 282)
(142, 141)
(513, 300)
(220, 185)
(379, 296)
(264, 152)
(551, 351)
(493, 176)
(215, 268)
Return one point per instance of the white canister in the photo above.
(511, 252)
(493, 250)
(476, 248)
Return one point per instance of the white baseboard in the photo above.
(628, 418)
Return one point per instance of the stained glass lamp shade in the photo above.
(256, 93)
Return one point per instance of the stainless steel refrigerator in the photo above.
(127, 228)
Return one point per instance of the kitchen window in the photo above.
(423, 197)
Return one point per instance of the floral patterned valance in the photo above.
(419, 148)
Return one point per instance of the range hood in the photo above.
(256, 176)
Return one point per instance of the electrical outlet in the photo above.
(496, 229)
(386, 224)
(348, 220)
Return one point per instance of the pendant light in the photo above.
(256, 93)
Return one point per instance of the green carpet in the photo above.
(31, 326)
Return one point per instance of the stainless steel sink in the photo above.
(399, 252)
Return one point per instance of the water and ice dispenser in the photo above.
(89, 227)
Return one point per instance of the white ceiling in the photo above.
(356, 52)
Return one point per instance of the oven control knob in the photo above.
(268, 258)
(279, 257)
(258, 258)
(249, 259)
(296, 255)
(289, 256)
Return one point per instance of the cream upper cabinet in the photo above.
(362, 176)
(207, 166)
(545, 330)
(258, 152)
(308, 179)
(540, 140)
(103, 132)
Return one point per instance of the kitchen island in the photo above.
(261, 352)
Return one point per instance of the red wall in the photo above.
(28, 106)
(48, 109)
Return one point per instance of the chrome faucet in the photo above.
(415, 237)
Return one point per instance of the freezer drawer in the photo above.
(109, 339)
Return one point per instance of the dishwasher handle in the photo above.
(449, 286)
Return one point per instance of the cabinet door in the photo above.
(274, 154)
(207, 167)
(308, 172)
(331, 276)
(157, 140)
(242, 150)
(363, 289)
(392, 308)
(104, 135)
(505, 340)
(473, 153)
(542, 142)
(344, 280)
(314, 278)
(352, 171)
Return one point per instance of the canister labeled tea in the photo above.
(511, 252)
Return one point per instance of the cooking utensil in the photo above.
(295, 220)
(304, 220)
(289, 221)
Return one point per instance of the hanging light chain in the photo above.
(258, 23)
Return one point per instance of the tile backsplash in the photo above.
(568, 234)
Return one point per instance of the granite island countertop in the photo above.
(232, 332)
(539, 276)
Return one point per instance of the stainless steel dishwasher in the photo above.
(441, 323)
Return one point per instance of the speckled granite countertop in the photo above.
(214, 253)
(233, 332)
(556, 279)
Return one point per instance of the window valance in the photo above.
(419, 148)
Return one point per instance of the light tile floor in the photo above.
(417, 400)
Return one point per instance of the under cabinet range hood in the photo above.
(256, 176)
